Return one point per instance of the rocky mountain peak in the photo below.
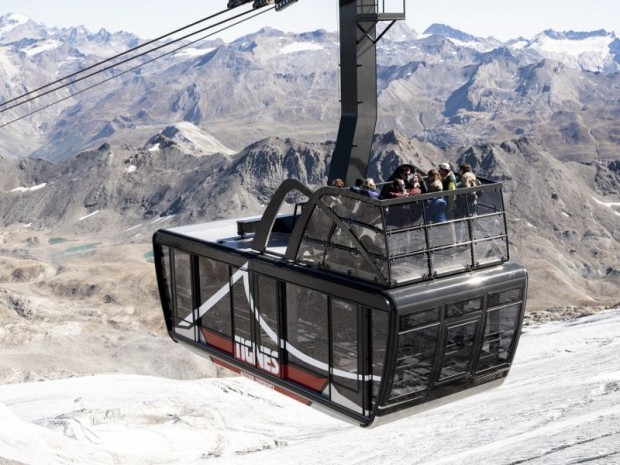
(447, 31)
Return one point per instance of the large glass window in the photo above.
(500, 329)
(215, 310)
(378, 342)
(346, 371)
(420, 318)
(463, 308)
(184, 320)
(414, 361)
(242, 317)
(459, 349)
(268, 358)
(307, 344)
(165, 267)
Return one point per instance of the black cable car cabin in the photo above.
(363, 307)
(367, 309)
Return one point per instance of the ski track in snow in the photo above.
(559, 405)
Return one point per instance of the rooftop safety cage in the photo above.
(390, 242)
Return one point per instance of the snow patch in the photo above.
(195, 52)
(14, 20)
(300, 47)
(42, 47)
(131, 169)
(611, 205)
(162, 218)
(188, 135)
(88, 216)
(6, 64)
(478, 46)
(591, 54)
(155, 148)
(30, 189)
(597, 45)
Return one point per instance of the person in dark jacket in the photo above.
(359, 182)
(436, 207)
(395, 190)
(369, 188)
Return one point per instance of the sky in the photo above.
(560, 404)
(503, 19)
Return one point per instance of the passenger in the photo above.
(416, 185)
(369, 188)
(436, 207)
(404, 172)
(466, 177)
(431, 177)
(421, 178)
(448, 181)
(466, 204)
(359, 182)
(338, 183)
(395, 190)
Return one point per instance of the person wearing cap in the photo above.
(448, 181)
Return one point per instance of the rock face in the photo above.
(562, 215)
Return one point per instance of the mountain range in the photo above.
(211, 131)
(444, 86)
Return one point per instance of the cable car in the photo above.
(366, 309)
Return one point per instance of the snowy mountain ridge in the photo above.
(445, 86)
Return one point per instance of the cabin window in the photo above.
(215, 310)
(183, 306)
(307, 344)
(414, 361)
(502, 321)
(242, 317)
(378, 341)
(268, 358)
(165, 268)
(420, 318)
(458, 349)
(463, 308)
(346, 369)
(505, 297)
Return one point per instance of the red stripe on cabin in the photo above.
(304, 378)
(217, 340)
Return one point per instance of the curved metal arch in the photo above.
(301, 224)
(259, 243)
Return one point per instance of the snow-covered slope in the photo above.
(590, 51)
(560, 404)
(189, 138)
